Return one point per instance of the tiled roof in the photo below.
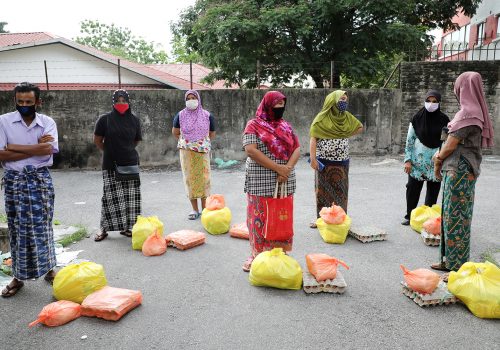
(9, 39)
(85, 86)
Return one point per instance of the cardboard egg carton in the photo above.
(441, 296)
(310, 285)
(367, 234)
(430, 239)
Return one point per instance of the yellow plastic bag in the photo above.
(421, 214)
(275, 269)
(75, 282)
(142, 229)
(157, 224)
(216, 222)
(478, 286)
(334, 233)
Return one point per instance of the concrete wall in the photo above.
(77, 111)
(419, 77)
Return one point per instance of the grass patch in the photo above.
(3, 218)
(488, 256)
(75, 237)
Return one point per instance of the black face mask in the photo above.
(278, 113)
(26, 111)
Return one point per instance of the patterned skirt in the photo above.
(458, 202)
(256, 221)
(121, 202)
(196, 173)
(332, 186)
(29, 204)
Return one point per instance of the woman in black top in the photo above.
(117, 134)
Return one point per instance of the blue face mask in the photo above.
(342, 106)
(26, 111)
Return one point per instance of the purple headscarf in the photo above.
(195, 124)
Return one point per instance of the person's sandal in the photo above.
(50, 276)
(440, 267)
(9, 291)
(126, 233)
(193, 215)
(100, 236)
(444, 277)
(313, 225)
(248, 264)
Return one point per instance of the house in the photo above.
(56, 63)
(477, 38)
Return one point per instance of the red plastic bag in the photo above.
(433, 226)
(239, 230)
(421, 280)
(185, 239)
(215, 202)
(58, 313)
(279, 219)
(111, 303)
(333, 215)
(323, 266)
(154, 245)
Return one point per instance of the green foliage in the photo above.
(120, 42)
(301, 37)
(75, 237)
(2, 27)
(181, 54)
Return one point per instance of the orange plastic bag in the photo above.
(239, 230)
(421, 280)
(323, 266)
(433, 226)
(185, 239)
(154, 245)
(215, 202)
(58, 313)
(111, 303)
(333, 215)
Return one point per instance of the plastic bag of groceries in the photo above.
(323, 267)
(477, 285)
(421, 214)
(239, 230)
(185, 239)
(421, 280)
(157, 224)
(275, 269)
(333, 215)
(111, 303)
(216, 222)
(334, 233)
(433, 226)
(154, 245)
(74, 282)
(215, 202)
(58, 313)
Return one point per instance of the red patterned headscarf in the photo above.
(277, 135)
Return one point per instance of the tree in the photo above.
(295, 38)
(180, 53)
(2, 27)
(120, 42)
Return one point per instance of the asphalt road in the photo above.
(201, 299)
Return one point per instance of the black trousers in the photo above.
(413, 189)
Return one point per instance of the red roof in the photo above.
(83, 86)
(9, 39)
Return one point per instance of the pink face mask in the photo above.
(121, 107)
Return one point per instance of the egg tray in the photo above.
(311, 286)
(440, 296)
(368, 234)
(430, 239)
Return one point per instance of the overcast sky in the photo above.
(149, 19)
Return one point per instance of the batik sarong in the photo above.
(332, 186)
(196, 173)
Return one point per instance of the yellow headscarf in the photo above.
(330, 123)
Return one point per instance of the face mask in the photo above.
(26, 111)
(192, 104)
(431, 106)
(278, 113)
(342, 106)
(121, 107)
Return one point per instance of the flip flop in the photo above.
(126, 233)
(248, 264)
(9, 291)
(313, 225)
(49, 277)
(440, 267)
(445, 276)
(193, 215)
(100, 236)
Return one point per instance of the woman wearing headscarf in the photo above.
(273, 150)
(329, 150)
(194, 128)
(422, 141)
(117, 134)
(458, 163)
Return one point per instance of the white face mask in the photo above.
(192, 104)
(431, 106)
